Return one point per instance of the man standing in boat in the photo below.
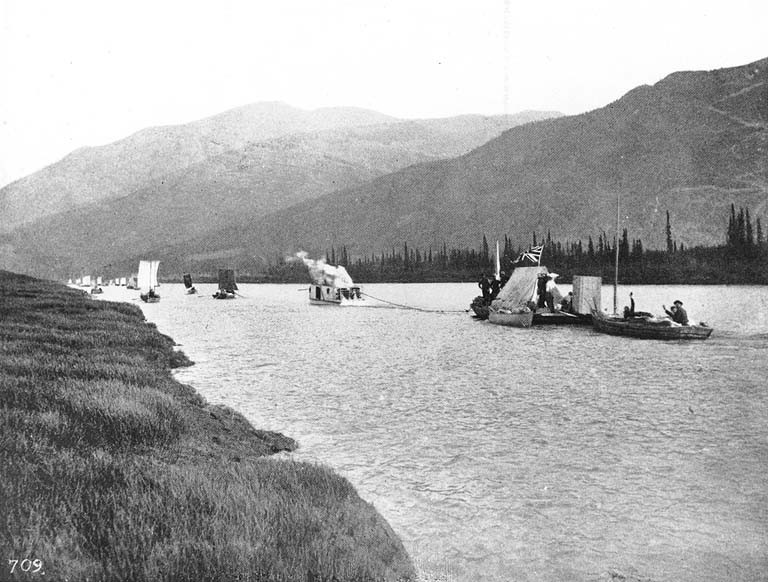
(677, 313)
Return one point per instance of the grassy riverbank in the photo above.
(112, 470)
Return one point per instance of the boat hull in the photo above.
(500, 317)
(643, 328)
(561, 318)
(221, 294)
(149, 298)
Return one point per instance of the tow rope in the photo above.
(411, 307)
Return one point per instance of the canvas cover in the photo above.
(520, 289)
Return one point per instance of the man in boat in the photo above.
(566, 304)
(495, 287)
(677, 313)
(485, 286)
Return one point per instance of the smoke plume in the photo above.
(324, 274)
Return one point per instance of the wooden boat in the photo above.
(661, 328)
(188, 284)
(147, 281)
(227, 285)
(644, 326)
(331, 294)
(516, 302)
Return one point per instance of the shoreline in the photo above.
(116, 470)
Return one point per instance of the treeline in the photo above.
(743, 258)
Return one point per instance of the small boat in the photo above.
(331, 294)
(515, 304)
(147, 281)
(227, 285)
(96, 290)
(188, 284)
(331, 284)
(86, 281)
(645, 327)
(641, 325)
(132, 282)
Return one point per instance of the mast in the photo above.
(498, 263)
(616, 260)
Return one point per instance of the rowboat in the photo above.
(661, 328)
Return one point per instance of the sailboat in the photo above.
(188, 284)
(641, 325)
(147, 281)
(227, 285)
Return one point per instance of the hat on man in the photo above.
(678, 301)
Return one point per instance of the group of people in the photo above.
(676, 313)
(490, 286)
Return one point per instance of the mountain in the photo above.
(691, 144)
(94, 174)
(220, 188)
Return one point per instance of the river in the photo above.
(551, 453)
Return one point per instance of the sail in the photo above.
(227, 280)
(98, 281)
(86, 281)
(520, 289)
(187, 280)
(153, 267)
(143, 279)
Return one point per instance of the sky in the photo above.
(81, 73)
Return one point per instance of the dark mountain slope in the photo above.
(691, 144)
(237, 187)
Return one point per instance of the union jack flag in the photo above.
(533, 254)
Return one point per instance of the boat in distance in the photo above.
(147, 281)
(323, 294)
(645, 327)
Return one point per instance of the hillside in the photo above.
(691, 144)
(235, 188)
(93, 174)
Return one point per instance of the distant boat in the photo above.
(132, 282)
(188, 284)
(86, 281)
(335, 294)
(227, 285)
(147, 281)
(123, 281)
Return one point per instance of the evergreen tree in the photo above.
(749, 237)
(590, 248)
(670, 248)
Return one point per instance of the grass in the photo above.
(112, 470)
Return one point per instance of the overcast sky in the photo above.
(76, 73)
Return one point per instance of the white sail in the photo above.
(86, 281)
(123, 281)
(98, 281)
(153, 266)
(143, 279)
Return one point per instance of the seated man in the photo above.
(677, 313)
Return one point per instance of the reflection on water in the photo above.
(505, 454)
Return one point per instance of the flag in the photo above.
(533, 254)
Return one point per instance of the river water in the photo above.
(551, 453)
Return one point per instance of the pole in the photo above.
(616, 261)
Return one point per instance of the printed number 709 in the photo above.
(31, 566)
